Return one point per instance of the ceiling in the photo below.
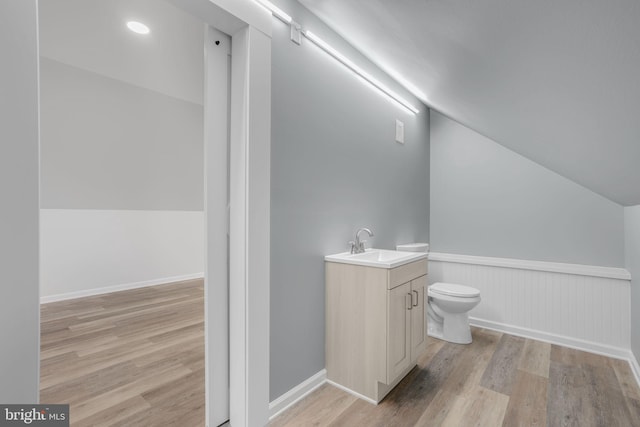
(92, 35)
(556, 81)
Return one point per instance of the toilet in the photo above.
(448, 311)
(448, 306)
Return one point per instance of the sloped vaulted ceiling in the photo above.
(557, 81)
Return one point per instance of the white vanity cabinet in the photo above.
(375, 325)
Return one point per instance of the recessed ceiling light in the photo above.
(138, 27)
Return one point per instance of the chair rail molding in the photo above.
(521, 264)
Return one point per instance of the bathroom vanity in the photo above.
(375, 319)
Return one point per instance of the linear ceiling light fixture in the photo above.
(296, 30)
(359, 71)
(276, 11)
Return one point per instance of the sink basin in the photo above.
(380, 258)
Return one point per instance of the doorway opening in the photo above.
(123, 210)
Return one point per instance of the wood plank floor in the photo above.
(136, 358)
(131, 358)
(498, 380)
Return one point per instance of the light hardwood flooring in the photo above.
(131, 358)
(136, 358)
(498, 380)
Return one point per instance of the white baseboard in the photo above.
(297, 393)
(354, 393)
(591, 347)
(118, 288)
(635, 368)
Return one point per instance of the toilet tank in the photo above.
(413, 247)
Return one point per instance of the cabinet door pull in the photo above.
(417, 299)
(410, 301)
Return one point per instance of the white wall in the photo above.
(89, 251)
(108, 144)
(489, 201)
(91, 35)
(632, 255)
(19, 314)
(122, 149)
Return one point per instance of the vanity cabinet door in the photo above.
(398, 330)
(418, 317)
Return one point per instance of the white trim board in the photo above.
(353, 393)
(553, 267)
(635, 368)
(217, 47)
(296, 394)
(249, 227)
(119, 288)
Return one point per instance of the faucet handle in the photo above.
(353, 246)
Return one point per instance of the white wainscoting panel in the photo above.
(85, 252)
(575, 310)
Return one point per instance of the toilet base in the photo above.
(453, 327)
(435, 335)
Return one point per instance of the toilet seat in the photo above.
(454, 290)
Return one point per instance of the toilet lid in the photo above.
(454, 290)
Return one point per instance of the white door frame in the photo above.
(217, 81)
(249, 26)
(250, 228)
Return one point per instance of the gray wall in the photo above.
(107, 144)
(19, 303)
(632, 263)
(335, 167)
(489, 201)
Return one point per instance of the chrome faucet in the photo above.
(357, 246)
